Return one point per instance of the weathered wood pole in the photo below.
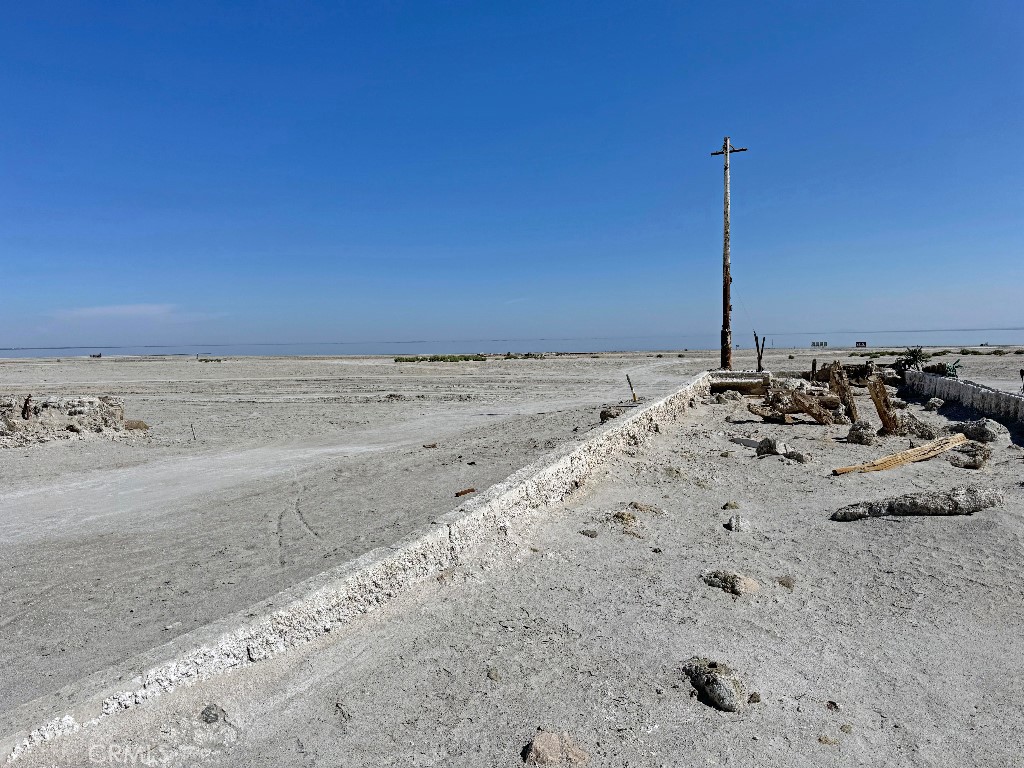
(727, 149)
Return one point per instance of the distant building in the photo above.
(819, 343)
(862, 343)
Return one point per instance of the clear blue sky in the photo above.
(229, 172)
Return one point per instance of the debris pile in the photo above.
(26, 420)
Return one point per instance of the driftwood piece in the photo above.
(839, 383)
(962, 500)
(810, 406)
(926, 451)
(880, 397)
(464, 491)
(770, 415)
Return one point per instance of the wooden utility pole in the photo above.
(727, 149)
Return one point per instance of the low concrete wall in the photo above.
(1003, 406)
(339, 596)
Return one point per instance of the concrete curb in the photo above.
(1003, 406)
(340, 595)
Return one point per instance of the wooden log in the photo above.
(880, 397)
(810, 406)
(922, 452)
(770, 415)
(840, 384)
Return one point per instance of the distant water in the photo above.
(839, 339)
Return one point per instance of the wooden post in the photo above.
(632, 391)
(839, 383)
(880, 397)
(759, 348)
(814, 369)
(727, 149)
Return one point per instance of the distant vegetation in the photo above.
(441, 359)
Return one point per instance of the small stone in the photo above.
(799, 456)
(730, 505)
(832, 705)
(934, 404)
(715, 684)
(732, 582)
(610, 413)
(736, 524)
(725, 454)
(786, 581)
(550, 748)
(861, 433)
(769, 446)
(212, 713)
(590, 533)
(846, 728)
(754, 698)
(493, 674)
(828, 740)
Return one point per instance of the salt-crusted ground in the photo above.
(890, 641)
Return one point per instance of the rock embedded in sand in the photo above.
(798, 456)
(934, 404)
(982, 430)
(736, 524)
(962, 500)
(731, 582)
(730, 505)
(861, 433)
(769, 446)
(610, 413)
(551, 748)
(716, 684)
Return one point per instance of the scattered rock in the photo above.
(832, 705)
(732, 582)
(736, 524)
(798, 456)
(610, 413)
(551, 748)
(647, 509)
(969, 455)
(934, 404)
(730, 505)
(716, 684)
(769, 446)
(136, 424)
(493, 674)
(982, 430)
(962, 500)
(898, 402)
(733, 396)
(861, 433)
(212, 714)
(430, 445)
(828, 740)
(846, 728)
(786, 581)
(590, 533)
(754, 698)
(725, 454)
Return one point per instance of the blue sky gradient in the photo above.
(276, 172)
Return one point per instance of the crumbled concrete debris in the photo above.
(493, 674)
(786, 581)
(861, 433)
(551, 748)
(730, 505)
(898, 402)
(607, 414)
(798, 456)
(982, 430)
(28, 420)
(754, 698)
(909, 424)
(934, 404)
(731, 582)
(828, 740)
(733, 395)
(769, 446)
(962, 500)
(970, 455)
(590, 533)
(716, 684)
(736, 524)
(846, 728)
(839, 416)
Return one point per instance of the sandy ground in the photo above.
(891, 641)
(110, 548)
